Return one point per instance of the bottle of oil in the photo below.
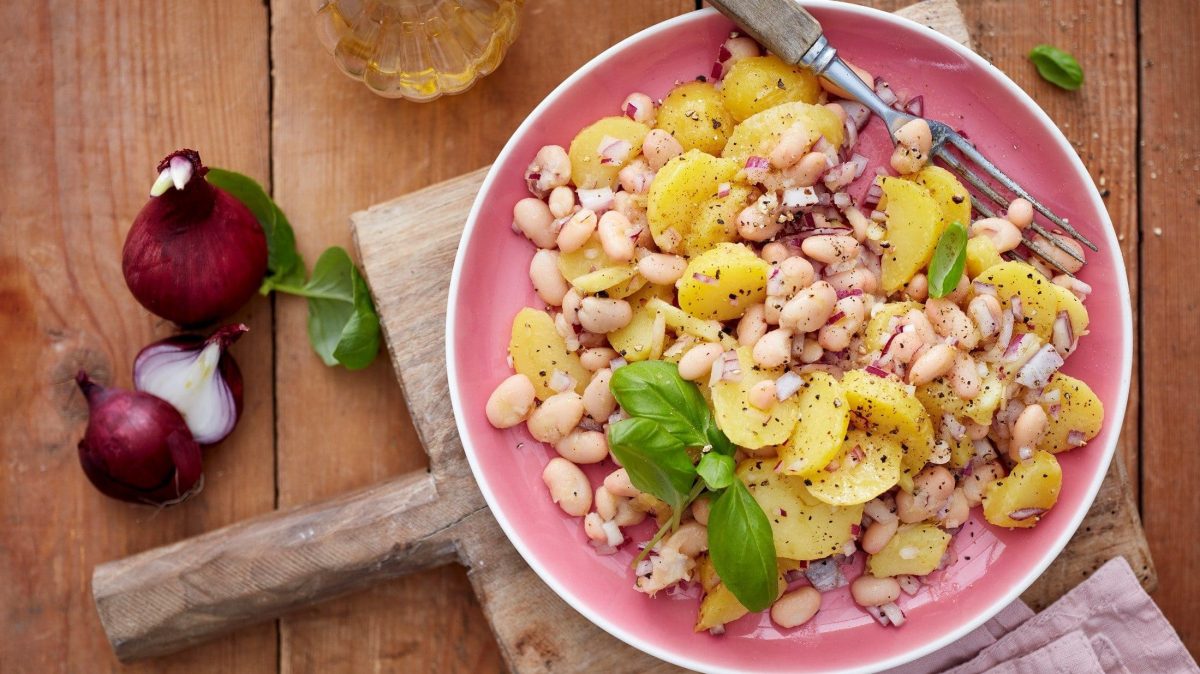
(417, 49)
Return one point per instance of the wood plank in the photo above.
(94, 95)
(338, 149)
(1170, 173)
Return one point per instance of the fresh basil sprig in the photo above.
(343, 326)
(949, 258)
(668, 416)
(1057, 67)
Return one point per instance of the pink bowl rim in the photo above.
(1047, 557)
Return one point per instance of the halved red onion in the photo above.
(1063, 337)
(787, 385)
(596, 200)
(795, 198)
(1076, 439)
(915, 106)
(1040, 367)
(1025, 513)
(893, 613)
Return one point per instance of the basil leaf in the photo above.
(653, 389)
(949, 258)
(742, 548)
(1057, 67)
(342, 324)
(716, 470)
(284, 264)
(656, 460)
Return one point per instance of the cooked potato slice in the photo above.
(952, 197)
(745, 424)
(695, 114)
(759, 134)
(889, 410)
(1079, 410)
(915, 550)
(679, 193)
(757, 83)
(1078, 314)
(867, 465)
(981, 255)
(636, 341)
(803, 527)
(717, 221)
(723, 282)
(538, 350)
(589, 270)
(914, 223)
(1039, 303)
(589, 167)
(938, 398)
(821, 430)
(1020, 499)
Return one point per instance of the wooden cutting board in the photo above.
(169, 598)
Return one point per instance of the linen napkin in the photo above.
(1107, 624)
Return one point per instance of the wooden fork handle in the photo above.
(782, 26)
(175, 596)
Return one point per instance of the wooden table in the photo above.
(94, 93)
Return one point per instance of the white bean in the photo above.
(597, 358)
(936, 361)
(662, 269)
(797, 273)
(602, 315)
(775, 252)
(1003, 233)
(773, 349)
(700, 510)
(964, 376)
(830, 249)
(762, 395)
(917, 288)
(598, 400)
(689, 539)
(810, 308)
(807, 171)
(568, 486)
(796, 607)
(932, 487)
(696, 364)
(619, 484)
(576, 231)
(547, 280)
(949, 321)
(659, 147)
(975, 484)
(534, 219)
(1063, 259)
(615, 231)
(561, 201)
(757, 223)
(558, 415)
(957, 511)
(511, 402)
(606, 503)
(752, 326)
(877, 535)
(593, 526)
(914, 141)
(1028, 430)
(1020, 213)
(792, 145)
(583, 447)
(868, 590)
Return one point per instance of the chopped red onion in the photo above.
(873, 195)
(597, 200)
(853, 292)
(631, 110)
(1053, 411)
(839, 176)
(723, 53)
(837, 316)
(1014, 347)
(855, 530)
(617, 363)
(860, 164)
(615, 150)
(603, 548)
(982, 288)
(1004, 339)
(954, 427)
(1076, 439)
(560, 381)
(1018, 311)
(644, 567)
(893, 613)
(910, 585)
(916, 106)
(948, 559)
(877, 613)
(1063, 336)
(775, 282)
(851, 131)
(842, 200)
(884, 91)
(755, 162)
(987, 324)
(793, 575)
(795, 198)
(857, 454)
(723, 190)
(871, 369)
(856, 111)
(1041, 366)
(787, 385)
(983, 448)
(825, 575)
(1025, 513)
(705, 279)
(717, 631)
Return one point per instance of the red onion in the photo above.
(910, 585)
(857, 112)
(195, 253)
(839, 176)
(1018, 311)
(198, 377)
(597, 200)
(1007, 323)
(893, 613)
(716, 630)
(954, 427)
(613, 150)
(1076, 439)
(851, 130)
(137, 447)
(871, 369)
(753, 162)
(723, 190)
(837, 316)
(842, 199)
(718, 70)
(825, 575)
(731, 367)
(874, 194)
(877, 613)
(617, 363)
(1025, 513)
(916, 106)
(705, 279)
(631, 110)
(1041, 366)
(982, 288)
(853, 292)
(1063, 336)
(787, 385)
(884, 91)
(561, 381)
(795, 198)
(860, 165)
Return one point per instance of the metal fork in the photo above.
(788, 30)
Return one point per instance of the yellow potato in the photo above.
(719, 606)
(938, 398)
(717, 221)
(759, 82)
(759, 134)
(589, 169)
(589, 270)
(952, 197)
(824, 417)
(915, 550)
(914, 223)
(678, 195)
(709, 331)
(723, 282)
(1039, 304)
(981, 255)
(961, 453)
(1078, 314)
(603, 279)
(1029, 490)
(888, 409)
(803, 527)
(858, 480)
(879, 327)
(1078, 410)
(636, 341)
(538, 350)
(745, 424)
(695, 114)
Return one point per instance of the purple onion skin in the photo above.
(194, 255)
(137, 447)
(227, 366)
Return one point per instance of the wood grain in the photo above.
(338, 148)
(94, 94)
(1170, 173)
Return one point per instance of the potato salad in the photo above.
(804, 365)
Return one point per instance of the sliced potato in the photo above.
(1076, 312)
(538, 350)
(636, 341)
(695, 114)
(889, 410)
(981, 255)
(821, 430)
(915, 550)
(938, 398)
(952, 197)
(1021, 498)
(914, 223)
(757, 83)
(717, 221)
(1039, 303)
(867, 466)
(1078, 410)
(588, 270)
(760, 133)
(589, 169)
(803, 527)
(745, 424)
(679, 193)
(723, 282)
(679, 319)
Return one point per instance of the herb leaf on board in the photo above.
(1057, 67)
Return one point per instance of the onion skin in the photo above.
(194, 255)
(137, 447)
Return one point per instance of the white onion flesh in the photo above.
(188, 379)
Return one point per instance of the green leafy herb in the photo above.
(658, 462)
(742, 548)
(653, 389)
(342, 323)
(716, 470)
(1057, 67)
(949, 257)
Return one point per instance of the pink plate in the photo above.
(490, 284)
